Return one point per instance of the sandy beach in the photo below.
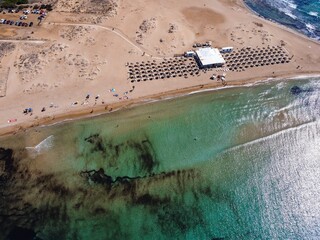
(75, 63)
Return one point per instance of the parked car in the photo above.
(11, 22)
(20, 24)
(25, 24)
(30, 24)
(17, 23)
(2, 20)
(8, 22)
(23, 17)
(17, 10)
(26, 12)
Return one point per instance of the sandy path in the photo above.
(23, 41)
(112, 30)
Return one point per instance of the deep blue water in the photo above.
(300, 15)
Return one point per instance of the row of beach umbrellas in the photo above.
(241, 59)
(167, 68)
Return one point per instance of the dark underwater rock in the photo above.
(97, 176)
(18, 233)
(144, 155)
(6, 163)
(295, 90)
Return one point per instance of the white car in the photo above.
(26, 11)
(2, 20)
(23, 17)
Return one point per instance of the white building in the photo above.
(189, 54)
(209, 57)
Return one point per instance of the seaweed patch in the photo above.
(6, 163)
(115, 155)
(97, 142)
(21, 233)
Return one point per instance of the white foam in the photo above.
(292, 5)
(285, 6)
(273, 135)
(44, 145)
(288, 12)
(310, 27)
(315, 14)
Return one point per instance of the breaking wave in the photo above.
(302, 16)
(43, 146)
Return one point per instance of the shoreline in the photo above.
(277, 24)
(99, 110)
(65, 88)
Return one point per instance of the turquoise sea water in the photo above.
(237, 163)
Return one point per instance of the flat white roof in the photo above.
(210, 56)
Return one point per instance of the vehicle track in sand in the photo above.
(23, 41)
(116, 31)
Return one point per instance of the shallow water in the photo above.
(300, 15)
(235, 163)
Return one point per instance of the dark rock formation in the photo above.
(6, 163)
(18, 233)
(295, 90)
